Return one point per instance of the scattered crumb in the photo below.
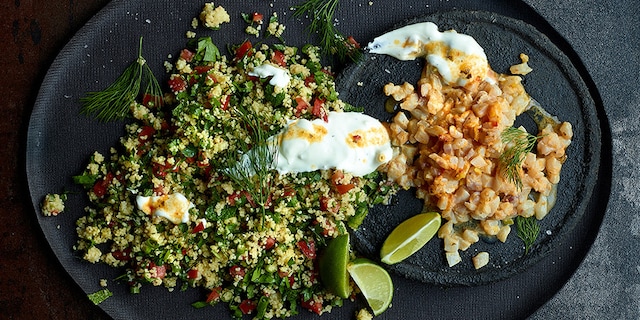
(191, 35)
(480, 260)
(53, 204)
(360, 84)
(275, 28)
(212, 17)
(103, 282)
(363, 314)
(522, 68)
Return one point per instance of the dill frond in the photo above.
(528, 230)
(517, 144)
(114, 102)
(251, 164)
(332, 41)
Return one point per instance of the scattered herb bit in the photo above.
(100, 296)
(332, 41)
(528, 230)
(518, 143)
(113, 103)
(207, 51)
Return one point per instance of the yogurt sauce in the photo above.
(348, 141)
(279, 76)
(173, 207)
(458, 58)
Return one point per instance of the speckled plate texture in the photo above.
(60, 141)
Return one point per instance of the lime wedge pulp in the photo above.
(409, 236)
(333, 266)
(374, 283)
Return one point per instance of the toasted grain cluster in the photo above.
(449, 142)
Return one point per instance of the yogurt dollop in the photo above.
(457, 57)
(349, 141)
(173, 207)
(280, 77)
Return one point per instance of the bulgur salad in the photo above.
(167, 207)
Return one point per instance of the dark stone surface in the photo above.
(603, 34)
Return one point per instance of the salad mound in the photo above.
(169, 208)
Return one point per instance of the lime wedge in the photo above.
(333, 266)
(374, 283)
(409, 236)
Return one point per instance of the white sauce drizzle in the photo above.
(457, 57)
(348, 141)
(279, 76)
(173, 207)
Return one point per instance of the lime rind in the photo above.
(333, 266)
(374, 282)
(409, 237)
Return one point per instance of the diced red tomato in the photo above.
(122, 255)
(150, 100)
(257, 17)
(312, 305)
(192, 274)
(344, 188)
(301, 106)
(214, 295)
(177, 83)
(237, 271)
(161, 271)
(233, 198)
(289, 192)
(145, 133)
(187, 54)
(202, 69)
(319, 111)
(247, 306)
(308, 80)
(101, 186)
(244, 49)
(225, 103)
(352, 43)
(308, 248)
(327, 205)
(269, 243)
(337, 180)
(279, 58)
(198, 228)
(291, 279)
(159, 170)
(327, 72)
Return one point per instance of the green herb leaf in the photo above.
(114, 102)
(100, 296)
(86, 180)
(332, 41)
(207, 50)
(528, 230)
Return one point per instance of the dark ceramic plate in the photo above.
(60, 141)
(554, 83)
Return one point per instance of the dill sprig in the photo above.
(528, 230)
(332, 41)
(251, 165)
(114, 102)
(517, 144)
